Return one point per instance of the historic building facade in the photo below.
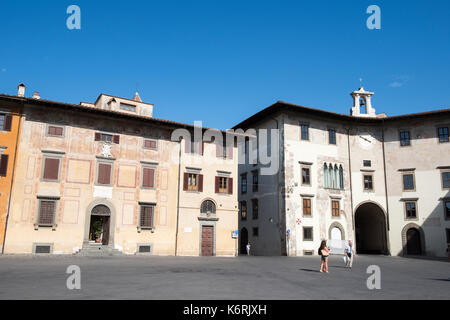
(383, 182)
(109, 177)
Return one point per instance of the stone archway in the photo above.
(105, 209)
(370, 229)
(332, 231)
(413, 240)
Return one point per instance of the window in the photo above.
(243, 205)
(146, 217)
(304, 131)
(148, 177)
(150, 144)
(255, 181)
(333, 177)
(5, 122)
(443, 134)
(255, 232)
(244, 183)
(405, 138)
(208, 206)
(447, 209)
(224, 185)
(254, 209)
(3, 165)
(127, 107)
(341, 178)
(51, 169)
(55, 131)
(47, 209)
(104, 173)
(105, 137)
(335, 208)
(193, 182)
(408, 181)
(446, 180)
(306, 207)
(367, 163)
(307, 234)
(368, 182)
(411, 210)
(306, 175)
(332, 136)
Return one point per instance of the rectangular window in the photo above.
(306, 207)
(127, 107)
(146, 218)
(104, 173)
(368, 182)
(411, 210)
(408, 181)
(447, 209)
(51, 169)
(148, 177)
(3, 165)
(55, 131)
(446, 180)
(405, 139)
(367, 163)
(224, 185)
(304, 131)
(255, 181)
(254, 209)
(335, 208)
(105, 137)
(332, 136)
(47, 209)
(192, 182)
(306, 176)
(244, 183)
(307, 234)
(150, 144)
(5, 122)
(255, 232)
(443, 134)
(243, 205)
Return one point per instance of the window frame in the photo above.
(6, 115)
(371, 181)
(447, 135)
(447, 171)
(152, 167)
(302, 126)
(446, 212)
(405, 205)
(244, 183)
(4, 156)
(311, 229)
(150, 148)
(401, 139)
(308, 169)
(143, 205)
(37, 223)
(255, 209)
(308, 215)
(333, 208)
(191, 186)
(408, 173)
(127, 107)
(243, 204)
(255, 176)
(53, 156)
(223, 190)
(111, 174)
(330, 136)
(47, 128)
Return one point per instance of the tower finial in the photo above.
(360, 82)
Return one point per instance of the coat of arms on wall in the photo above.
(106, 151)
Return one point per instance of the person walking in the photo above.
(349, 254)
(324, 252)
(248, 248)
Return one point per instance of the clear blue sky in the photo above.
(222, 61)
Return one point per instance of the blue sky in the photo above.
(222, 61)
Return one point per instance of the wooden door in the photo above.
(105, 240)
(207, 240)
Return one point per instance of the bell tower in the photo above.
(362, 105)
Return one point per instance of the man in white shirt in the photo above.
(349, 254)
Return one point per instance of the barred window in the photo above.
(411, 210)
(46, 212)
(405, 139)
(443, 134)
(208, 206)
(146, 218)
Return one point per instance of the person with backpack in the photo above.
(324, 252)
(349, 254)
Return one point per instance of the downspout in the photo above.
(178, 199)
(12, 181)
(385, 189)
(351, 187)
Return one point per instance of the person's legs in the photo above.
(351, 262)
(321, 264)
(326, 265)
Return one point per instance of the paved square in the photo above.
(150, 277)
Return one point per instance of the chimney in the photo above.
(36, 95)
(21, 90)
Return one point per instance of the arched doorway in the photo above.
(243, 235)
(99, 225)
(413, 242)
(370, 229)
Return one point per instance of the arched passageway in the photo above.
(243, 235)
(370, 229)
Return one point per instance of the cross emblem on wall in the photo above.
(298, 221)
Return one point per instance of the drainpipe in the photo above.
(351, 187)
(12, 180)
(178, 199)
(385, 189)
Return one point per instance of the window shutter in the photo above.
(51, 169)
(8, 123)
(230, 185)
(148, 178)
(4, 165)
(185, 181)
(230, 152)
(116, 139)
(187, 145)
(104, 173)
(98, 136)
(200, 183)
(217, 185)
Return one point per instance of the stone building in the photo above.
(109, 177)
(383, 182)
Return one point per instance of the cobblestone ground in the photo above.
(139, 277)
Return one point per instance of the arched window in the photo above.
(208, 207)
(325, 176)
(336, 177)
(330, 176)
(341, 177)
